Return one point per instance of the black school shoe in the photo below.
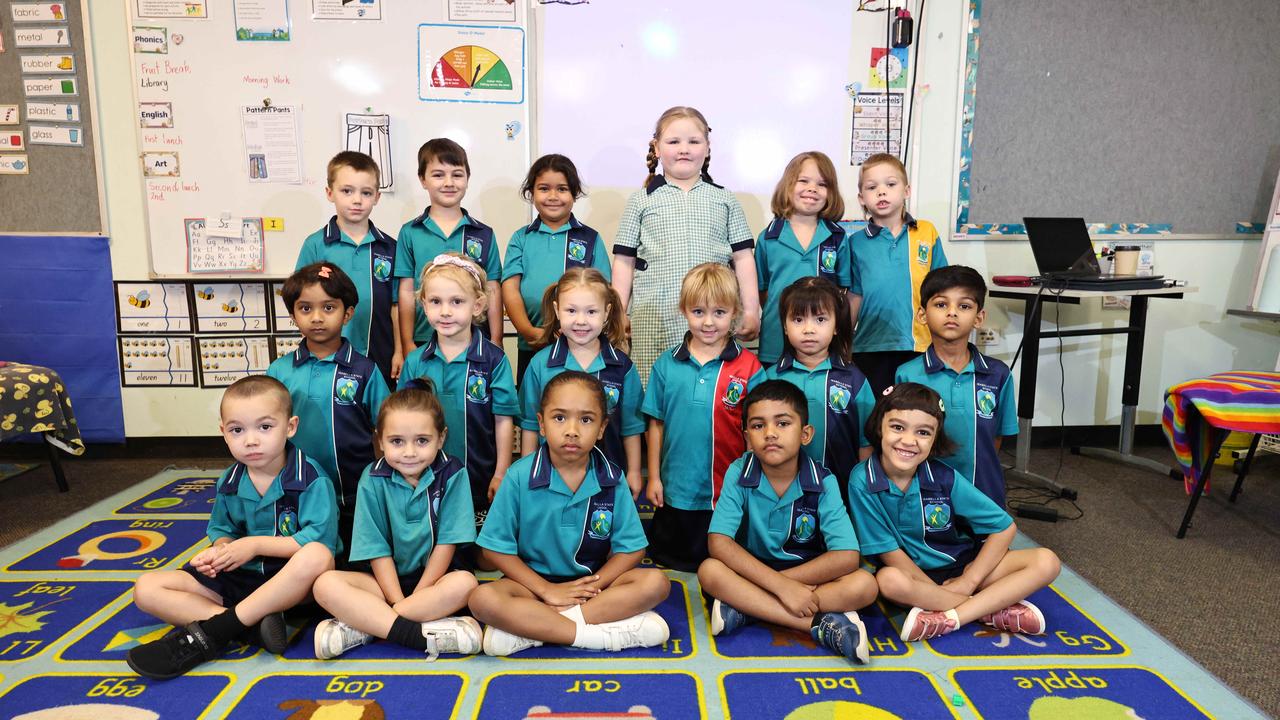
(272, 633)
(180, 650)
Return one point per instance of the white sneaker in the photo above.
(647, 629)
(334, 638)
(452, 635)
(500, 643)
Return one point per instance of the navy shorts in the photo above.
(231, 585)
(678, 538)
(956, 569)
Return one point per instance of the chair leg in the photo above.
(56, 464)
(1244, 469)
(1195, 496)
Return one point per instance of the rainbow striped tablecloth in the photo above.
(1199, 414)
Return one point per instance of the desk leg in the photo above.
(56, 465)
(1129, 395)
(1244, 468)
(1030, 359)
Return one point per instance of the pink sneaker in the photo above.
(1021, 617)
(923, 624)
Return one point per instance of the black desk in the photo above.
(1032, 334)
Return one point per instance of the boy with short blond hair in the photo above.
(274, 531)
(366, 254)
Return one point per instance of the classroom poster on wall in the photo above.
(481, 10)
(261, 20)
(152, 307)
(282, 321)
(346, 9)
(371, 135)
(214, 253)
(889, 64)
(157, 361)
(877, 125)
(44, 12)
(225, 360)
(271, 143)
(231, 307)
(470, 63)
(171, 9)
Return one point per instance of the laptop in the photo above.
(1064, 253)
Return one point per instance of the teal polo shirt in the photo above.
(838, 424)
(421, 240)
(780, 261)
(775, 531)
(555, 358)
(537, 518)
(980, 406)
(468, 412)
(700, 407)
(398, 520)
(938, 521)
(336, 399)
(240, 511)
(369, 264)
(886, 273)
(539, 256)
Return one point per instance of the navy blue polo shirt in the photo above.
(556, 531)
(473, 388)
(421, 240)
(808, 520)
(295, 506)
(540, 255)
(840, 401)
(622, 391)
(336, 399)
(939, 519)
(980, 407)
(780, 261)
(406, 522)
(368, 263)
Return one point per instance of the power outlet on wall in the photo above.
(988, 337)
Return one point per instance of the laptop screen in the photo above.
(1061, 245)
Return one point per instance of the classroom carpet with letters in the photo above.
(66, 622)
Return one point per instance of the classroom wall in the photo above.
(1185, 338)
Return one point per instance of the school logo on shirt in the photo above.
(922, 254)
(601, 524)
(576, 250)
(477, 387)
(473, 249)
(381, 268)
(937, 516)
(827, 260)
(346, 389)
(287, 523)
(804, 527)
(734, 392)
(838, 396)
(985, 400)
(612, 393)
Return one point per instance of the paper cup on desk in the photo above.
(1126, 262)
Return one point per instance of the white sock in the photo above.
(953, 616)
(590, 637)
(574, 613)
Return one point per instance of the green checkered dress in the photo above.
(669, 231)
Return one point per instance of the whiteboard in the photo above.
(771, 82)
(206, 82)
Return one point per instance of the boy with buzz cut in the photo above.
(365, 254)
(273, 528)
(797, 568)
(978, 390)
(445, 226)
